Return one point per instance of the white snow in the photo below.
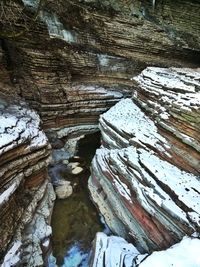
(18, 125)
(13, 255)
(136, 175)
(8, 192)
(185, 185)
(165, 78)
(122, 189)
(127, 119)
(56, 28)
(173, 87)
(184, 254)
(113, 251)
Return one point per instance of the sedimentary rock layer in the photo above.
(24, 156)
(101, 43)
(145, 178)
(114, 251)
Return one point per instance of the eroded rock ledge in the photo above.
(145, 177)
(25, 194)
(115, 251)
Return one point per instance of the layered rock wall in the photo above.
(145, 178)
(70, 46)
(24, 157)
(71, 61)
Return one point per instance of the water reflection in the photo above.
(76, 257)
(75, 220)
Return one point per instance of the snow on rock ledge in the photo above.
(172, 98)
(145, 177)
(24, 156)
(114, 251)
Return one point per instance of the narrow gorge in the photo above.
(99, 133)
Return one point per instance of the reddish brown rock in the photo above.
(145, 178)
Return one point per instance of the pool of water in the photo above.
(75, 220)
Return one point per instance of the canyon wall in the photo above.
(71, 60)
(24, 157)
(145, 177)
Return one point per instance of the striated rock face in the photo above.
(24, 156)
(145, 177)
(112, 251)
(6, 87)
(115, 251)
(172, 99)
(77, 54)
(72, 60)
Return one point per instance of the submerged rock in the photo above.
(77, 170)
(145, 177)
(64, 189)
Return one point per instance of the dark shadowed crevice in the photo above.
(75, 220)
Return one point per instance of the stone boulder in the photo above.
(63, 190)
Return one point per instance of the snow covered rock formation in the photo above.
(114, 251)
(145, 177)
(26, 197)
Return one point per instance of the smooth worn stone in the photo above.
(63, 190)
(73, 165)
(77, 170)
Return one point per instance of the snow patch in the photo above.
(56, 28)
(13, 255)
(183, 254)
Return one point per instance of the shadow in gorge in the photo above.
(75, 220)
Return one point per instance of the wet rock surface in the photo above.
(145, 177)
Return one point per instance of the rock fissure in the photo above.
(73, 62)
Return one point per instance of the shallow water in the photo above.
(75, 220)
